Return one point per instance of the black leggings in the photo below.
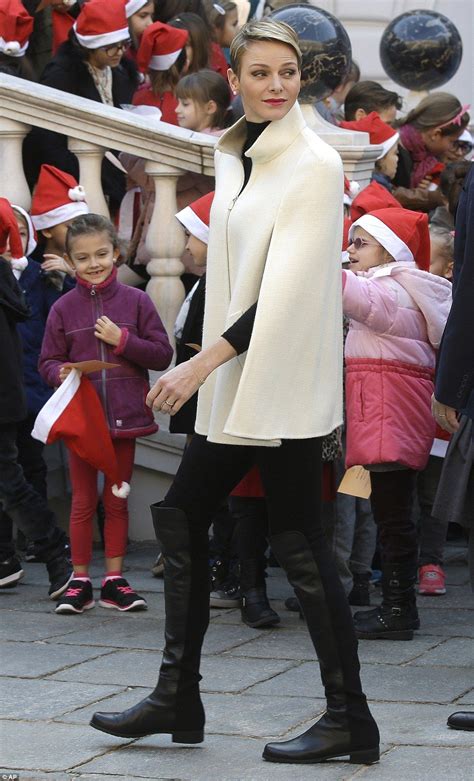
(291, 476)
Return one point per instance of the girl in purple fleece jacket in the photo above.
(103, 319)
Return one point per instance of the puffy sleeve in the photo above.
(368, 301)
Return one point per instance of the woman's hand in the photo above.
(57, 263)
(107, 331)
(174, 389)
(446, 417)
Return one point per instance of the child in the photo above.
(198, 46)
(203, 102)
(140, 15)
(378, 194)
(223, 20)
(57, 200)
(16, 27)
(162, 55)
(23, 504)
(103, 319)
(397, 313)
(367, 96)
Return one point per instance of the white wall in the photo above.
(366, 20)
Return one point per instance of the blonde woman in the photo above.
(271, 387)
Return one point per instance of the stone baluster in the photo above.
(13, 184)
(165, 242)
(90, 173)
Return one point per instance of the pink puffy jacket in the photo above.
(397, 315)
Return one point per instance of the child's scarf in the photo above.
(423, 161)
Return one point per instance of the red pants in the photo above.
(85, 496)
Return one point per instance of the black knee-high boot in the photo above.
(175, 704)
(347, 727)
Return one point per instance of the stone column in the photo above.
(90, 173)
(13, 184)
(165, 242)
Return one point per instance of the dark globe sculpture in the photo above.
(326, 48)
(421, 50)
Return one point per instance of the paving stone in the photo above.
(444, 621)
(466, 699)
(31, 660)
(31, 745)
(140, 668)
(456, 596)
(384, 652)
(454, 652)
(29, 626)
(123, 631)
(380, 681)
(226, 714)
(45, 699)
(221, 758)
(418, 763)
(417, 724)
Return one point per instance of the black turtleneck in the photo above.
(254, 130)
(238, 335)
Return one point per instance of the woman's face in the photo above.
(369, 254)
(226, 34)
(139, 22)
(268, 82)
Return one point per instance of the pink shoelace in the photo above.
(126, 589)
(73, 592)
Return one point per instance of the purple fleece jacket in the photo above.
(144, 345)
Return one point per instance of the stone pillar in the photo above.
(90, 173)
(13, 184)
(165, 242)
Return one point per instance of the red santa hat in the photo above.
(160, 47)
(133, 6)
(351, 189)
(57, 198)
(196, 216)
(380, 133)
(374, 196)
(75, 415)
(403, 233)
(16, 26)
(31, 242)
(345, 239)
(101, 23)
(9, 233)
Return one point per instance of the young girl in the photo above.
(198, 47)
(162, 55)
(397, 315)
(203, 102)
(140, 15)
(427, 134)
(103, 319)
(223, 19)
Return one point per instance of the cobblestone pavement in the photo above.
(257, 685)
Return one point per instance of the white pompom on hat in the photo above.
(16, 26)
(57, 198)
(101, 24)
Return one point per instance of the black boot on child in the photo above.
(397, 616)
(255, 608)
(175, 706)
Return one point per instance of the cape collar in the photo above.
(276, 137)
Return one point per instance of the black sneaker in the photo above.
(10, 572)
(117, 593)
(78, 597)
(60, 573)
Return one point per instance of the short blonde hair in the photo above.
(262, 30)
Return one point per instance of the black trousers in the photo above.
(291, 476)
(392, 505)
(21, 502)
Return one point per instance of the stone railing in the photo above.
(169, 151)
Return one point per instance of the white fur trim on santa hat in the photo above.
(104, 39)
(384, 235)
(121, 492)
(77, 193)
(63, 213)
(55, 406)
(161, 62)
(31, 243)
(354, 189)
(133, 6)
(12, 48)
(193, 224)
(387, 145)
